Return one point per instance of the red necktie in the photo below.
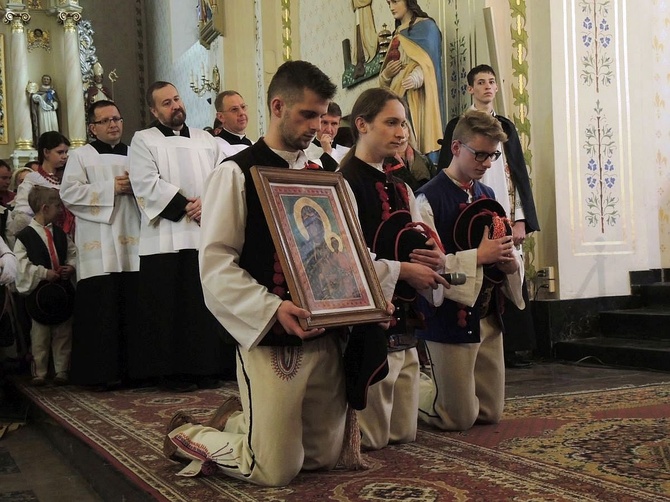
(55, 264)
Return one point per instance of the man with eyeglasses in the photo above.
(231, 111)
(463, 336)
(509, 179)
(97, 190)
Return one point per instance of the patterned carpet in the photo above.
(589, 446)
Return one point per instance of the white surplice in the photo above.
(161, 167)
(107, 232)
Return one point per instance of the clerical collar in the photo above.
(223, 129)
(234, 138)
(169, 132)
(102, 147)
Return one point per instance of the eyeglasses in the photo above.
(236, 109)
(106, 122)
(483, 156)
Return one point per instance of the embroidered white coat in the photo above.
(107, 232)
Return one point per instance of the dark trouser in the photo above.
(105, 318)
(519, 328)
(177, 334)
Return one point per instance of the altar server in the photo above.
(96, 189)
(179, 340)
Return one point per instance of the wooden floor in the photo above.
(31, 469)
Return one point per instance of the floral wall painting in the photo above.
(599, 144)
(600, 174)
(596, 36)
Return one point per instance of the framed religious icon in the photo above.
(210, 21)
(325, 261)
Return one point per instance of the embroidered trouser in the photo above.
(294, 411)
(391, 413)
(468, 381)
(56, 339)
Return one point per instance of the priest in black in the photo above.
(231, 111)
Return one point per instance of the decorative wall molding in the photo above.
(3, 94)
(660, 52)
(520, 117)
(286, 37)
(87, 52)
(260, 68)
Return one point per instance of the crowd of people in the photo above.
(178, 283)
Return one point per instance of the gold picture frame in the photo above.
(324, 258)
(3, 94)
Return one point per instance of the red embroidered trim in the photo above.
(404, 194)
(392, 166)
(48, 177)
(278, 279)
(383, 196)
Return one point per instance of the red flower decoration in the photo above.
(461, 316)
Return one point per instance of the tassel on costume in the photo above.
(351, 457)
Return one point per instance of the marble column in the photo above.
(18, 80)
(76, 114)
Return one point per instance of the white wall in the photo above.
(606, 213)
(658, 125)
(175, 54)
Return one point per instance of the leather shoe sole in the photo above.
(220, 417)
(180, 418)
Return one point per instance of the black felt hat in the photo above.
(395, 239)
(51, 302)
(469, 229)
(365, 362)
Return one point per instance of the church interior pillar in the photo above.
(18, 79)
(76, 114)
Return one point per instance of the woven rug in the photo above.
(609, 445)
